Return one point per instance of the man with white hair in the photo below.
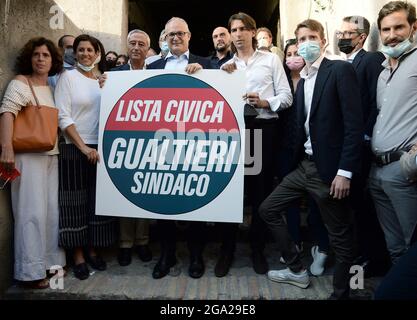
(134, 231)
(163, 45)
(179, 57)
(138, 44)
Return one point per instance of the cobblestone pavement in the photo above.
(135, 281)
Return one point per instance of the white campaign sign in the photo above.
(172, 146)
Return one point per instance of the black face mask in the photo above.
(346, 45)
(110, 64)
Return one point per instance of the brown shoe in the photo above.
(37, 284)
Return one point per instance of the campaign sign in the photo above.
(171, 146)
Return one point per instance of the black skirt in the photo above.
(78, 224)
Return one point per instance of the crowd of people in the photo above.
(339, 136)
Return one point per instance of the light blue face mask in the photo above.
(398, 50)
(164, 47)
(89, 68)
(309, 50)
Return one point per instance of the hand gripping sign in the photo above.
(172, 146)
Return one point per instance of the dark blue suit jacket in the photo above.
(124, 67)
(336, 121)
(368, 67)
(160, 64)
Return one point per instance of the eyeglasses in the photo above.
(179, 34)
(345, 34)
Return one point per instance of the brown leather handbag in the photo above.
(35, 127)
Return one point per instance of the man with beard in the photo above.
(395, 130)
(221, 42)
(227, 231)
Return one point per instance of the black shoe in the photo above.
(196, 268)
(144, 253)
(372, 269)
(81, 271)
(125, 256)
(161, 269)
(223, 264)
(97, 263)
(260, 265)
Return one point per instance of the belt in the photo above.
(387, 158)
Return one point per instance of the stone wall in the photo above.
(21, 20)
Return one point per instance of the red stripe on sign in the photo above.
(152, 109)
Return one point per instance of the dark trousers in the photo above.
(319, 231)
(336, 215)
(401, 282)
(228, 233)
(258, 187)
(195, 234)
(369, 237)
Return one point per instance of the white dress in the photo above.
(34, 196)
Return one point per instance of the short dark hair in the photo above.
(395, 6)
(311, 24)
(61, 40)
(248, 22)
(24, 59)
(112, 52)
(125, 57)
(97, 45)
(361, 23)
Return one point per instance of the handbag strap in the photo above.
(33, 91)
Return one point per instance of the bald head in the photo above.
(221, 39)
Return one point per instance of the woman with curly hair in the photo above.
(35, 193)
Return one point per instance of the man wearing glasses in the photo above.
(179, 58)
(368, 66)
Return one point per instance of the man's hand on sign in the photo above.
(102, 80)
(193, 68)
(253, 99)
(229, 68)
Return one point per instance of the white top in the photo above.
(265, 75)
(177, 62)
(18, 95)
(310, 76)
(78, 100)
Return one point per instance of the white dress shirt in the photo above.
(177, 62)
(131, 67)
(353, 56)
(265, 75)
(309, 74)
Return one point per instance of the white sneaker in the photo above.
(301, 279)
(319, 260)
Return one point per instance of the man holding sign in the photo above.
(179, 57)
